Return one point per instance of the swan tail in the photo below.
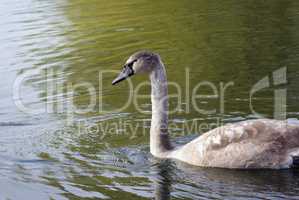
(295, 163)
(293, 156)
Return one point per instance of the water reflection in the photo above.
(241, 184)
(178, 180)
(164, 180)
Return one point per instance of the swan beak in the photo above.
(124, 74)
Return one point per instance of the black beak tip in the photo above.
(117, 80)
(114, 82)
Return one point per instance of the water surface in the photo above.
(50, 152)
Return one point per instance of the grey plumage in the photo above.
(261, 143)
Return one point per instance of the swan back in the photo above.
(261, 143)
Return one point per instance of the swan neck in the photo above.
(159, 138)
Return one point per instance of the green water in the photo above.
(50, 151)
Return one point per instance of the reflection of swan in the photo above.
(175, 180)
(163, 180)
(197, 183)
(262, 143)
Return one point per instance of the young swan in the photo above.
(261, 143)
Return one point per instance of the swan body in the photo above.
(260, 143)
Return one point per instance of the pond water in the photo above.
(56, 55)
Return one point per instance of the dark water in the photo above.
(48, 151)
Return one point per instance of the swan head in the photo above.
(142, 62)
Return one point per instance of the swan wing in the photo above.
(261, 143)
